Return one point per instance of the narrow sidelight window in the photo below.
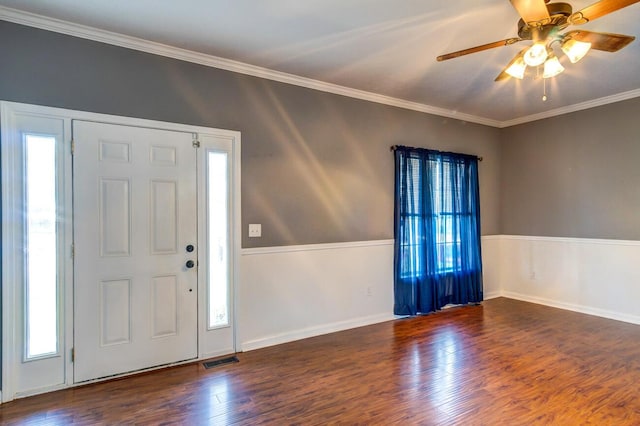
(218, 238)
(41, 284)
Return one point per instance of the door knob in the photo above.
(189, 248)
(190, 264)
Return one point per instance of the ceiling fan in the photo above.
(542, 23)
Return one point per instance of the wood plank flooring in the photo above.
(502, 363)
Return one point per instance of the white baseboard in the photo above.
(277, 339)
(633, 319)
(492, 295)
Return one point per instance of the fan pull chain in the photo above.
(544, 84)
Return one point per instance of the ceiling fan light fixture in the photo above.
(517, 68)
(552, 67)
(575, 50)
(536, 54)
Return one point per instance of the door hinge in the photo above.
(73, 354)
(73, 146)
(73, 251)
(196, 143)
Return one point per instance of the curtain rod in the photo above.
(393, 148)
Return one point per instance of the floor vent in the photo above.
(221, 361)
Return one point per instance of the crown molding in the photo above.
(108, 37)
(572, 108)
(82, 31)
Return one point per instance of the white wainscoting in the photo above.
(491, 266)
(295, 292)
(597, 277)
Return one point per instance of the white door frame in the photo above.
(11, 278)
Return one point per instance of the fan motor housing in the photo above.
(540, 30)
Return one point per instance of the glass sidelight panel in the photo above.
(41, 284)
(218, 238)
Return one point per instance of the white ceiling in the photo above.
(385, 47)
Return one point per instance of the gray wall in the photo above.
(575, 175)
(316, 167)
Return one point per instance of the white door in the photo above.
(135, 231)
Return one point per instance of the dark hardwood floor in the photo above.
(503, 363)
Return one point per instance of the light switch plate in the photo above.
(255, 230)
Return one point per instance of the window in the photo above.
(41, 275)
(437, 229)
(450, 214)
(218, 238)
(36, 247)
(446, 220)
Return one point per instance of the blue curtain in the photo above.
(437, 259)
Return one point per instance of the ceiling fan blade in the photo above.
(596, 10)
(601, 41)
(503, 75)
(480, 48)
(531, 10)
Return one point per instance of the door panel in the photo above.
(135, 213)
(115, 312)
(164, 220)
(115, 217)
